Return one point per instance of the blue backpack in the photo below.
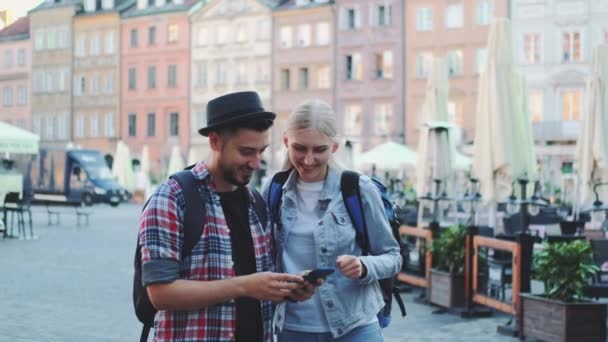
(349, 186)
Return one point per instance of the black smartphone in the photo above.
(321, 272)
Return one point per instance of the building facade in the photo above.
(15, 59)
(457, 30)
(369, 70)
(231, 51)
(51, 86)
(303, 60)
(96, 81)
(155, 82)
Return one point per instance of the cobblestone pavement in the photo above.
(74, 284)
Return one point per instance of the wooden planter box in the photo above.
(552, 320)
(446, 289)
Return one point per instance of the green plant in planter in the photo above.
(565, 268)
(449, 250)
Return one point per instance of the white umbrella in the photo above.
(16, 140)
(192, 157)
(122, 168)
(434, 160)
(145, 161)
(176, 162)
(592, 144)
(387, 156)
(504, 147)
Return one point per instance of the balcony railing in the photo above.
(554, 130)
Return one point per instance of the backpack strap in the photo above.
(275, 193)
(349, 186)
(194, 211)
(260, 207)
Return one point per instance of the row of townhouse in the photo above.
(93, 72)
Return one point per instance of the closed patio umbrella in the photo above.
(176, 162)
(504, 147)
(591, 161)
(122, 168)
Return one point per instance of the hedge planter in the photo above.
(554, 320)
(446, 289)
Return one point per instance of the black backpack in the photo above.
(349, 185)
(194, 214)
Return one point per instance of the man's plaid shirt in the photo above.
(161, 235)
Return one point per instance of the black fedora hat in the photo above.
(234, 108)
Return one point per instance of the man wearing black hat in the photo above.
(224, 290)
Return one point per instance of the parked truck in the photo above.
(73, 176)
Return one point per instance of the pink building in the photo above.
(155, 60)
(15, 70)
(457, 30)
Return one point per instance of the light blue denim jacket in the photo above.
(347, 303)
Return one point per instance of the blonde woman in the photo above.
(313, 230)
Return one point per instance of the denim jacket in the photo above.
(347, 303)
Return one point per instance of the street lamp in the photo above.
(598, 208)
(527, 206)
(471, 200)
(438, 202)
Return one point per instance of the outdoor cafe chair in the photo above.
(13, 205)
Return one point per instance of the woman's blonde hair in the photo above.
(315, 114)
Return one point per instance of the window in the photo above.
(132, 124)
(352, 119)
(82, 85)
(303, 78)
(62, 126)
(109, 43)
(202, 38)
(241, 72)
(38, 81)
(485, 12)
(8, 96)
(8, 58)
(222, 35)
(532, 48)
(37, 124)
(21, 95)
(304, 35)
(151, 77)
(21, 57)
(571, 47)
(453, 16)
(350, 18)
(455, 62)
(81, 46)
(221, 76)
(134, 38)
(201, 74)
(384, 65)
(77, 87)
(286, 35)
(383, 117)
(49, 132)
(481, 56)
(353, 67)
(50, 81)
(108, 125)
(95, 85)
(381, 15)
(132, 79)
(324, 77)
(152, 35)
(63, 40)
(94, 125)
(571, 105)
(285, 79)
(109, 86)
(241, 33)
(262, 74)
(64, 76)
(263, 30)
(535, 105)
(174, 124)
(39, 39)
(51, 38)
(424, 19)
(172, 76)
(151, 124)
(173, 33)
(79, 131)
(322, 33)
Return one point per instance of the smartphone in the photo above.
(321, 272)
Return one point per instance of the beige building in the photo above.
(96, 81)
(369, 71)
(51, 99)
(231, 51)
(457, 30)
(303, 59)
(15, 73)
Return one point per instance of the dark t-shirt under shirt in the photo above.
(248, 310)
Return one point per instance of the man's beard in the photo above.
(230, 177)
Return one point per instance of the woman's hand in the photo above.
(351, 266)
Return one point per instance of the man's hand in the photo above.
(350, 266)
(271, 286)
(306, 291)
